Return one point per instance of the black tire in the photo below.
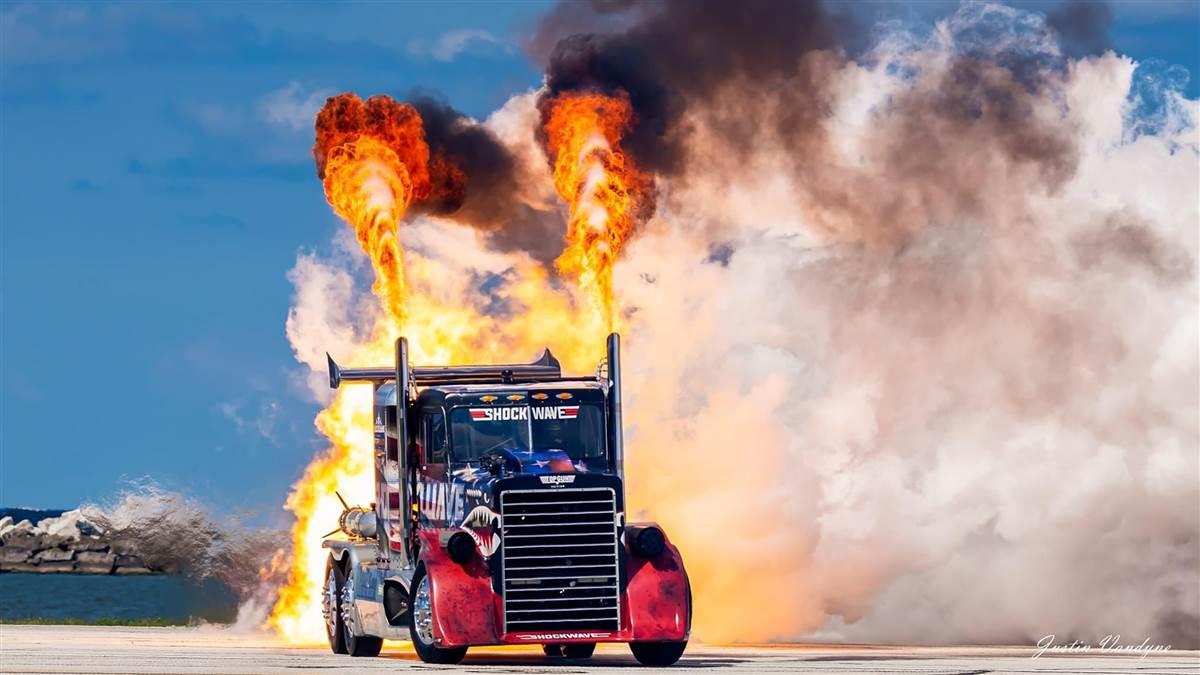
(426, 650)
(657, 653)
(356, 645)
(363, 645)
(574, 650)
(334, 629)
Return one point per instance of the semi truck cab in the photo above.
(502, 521)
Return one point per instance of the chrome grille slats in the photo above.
(560, 566)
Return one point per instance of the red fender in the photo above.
(658, 600)
(465, 610)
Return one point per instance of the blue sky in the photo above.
(156, 187)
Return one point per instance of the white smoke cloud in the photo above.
(449, 45)
(985, 434)
(327, 314)
(935, 394)
(292, 108)
(515, 124)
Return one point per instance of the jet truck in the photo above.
(499, 519)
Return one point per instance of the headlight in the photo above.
(460, 546)
(646, 542)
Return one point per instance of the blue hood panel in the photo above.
(536, 462)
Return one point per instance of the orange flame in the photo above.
(441, 330)
(607, 195)
(374, 164)
(345, 466)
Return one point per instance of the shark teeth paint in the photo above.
(481, 523)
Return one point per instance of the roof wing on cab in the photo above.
(544, 368)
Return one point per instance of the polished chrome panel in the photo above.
(563, 567)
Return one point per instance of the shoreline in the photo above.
(68, 544)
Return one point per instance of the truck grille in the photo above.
(559, 550)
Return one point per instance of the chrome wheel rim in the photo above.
(347, 604)
(422, 610)
(329, 604)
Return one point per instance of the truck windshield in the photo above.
(577, 430)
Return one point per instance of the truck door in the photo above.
(387, 459)
(434, 484)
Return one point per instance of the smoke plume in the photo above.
(914, 402)
(911, 342)
(482, 184)
(678, 55)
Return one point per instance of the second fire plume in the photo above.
(607, 195)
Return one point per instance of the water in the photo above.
(34, 516)
(89, 597)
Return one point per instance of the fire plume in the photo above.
(607, 195)
(373, 161)
(441, 330)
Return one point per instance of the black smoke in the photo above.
(478, 182)
(678, 54)
(745, 71)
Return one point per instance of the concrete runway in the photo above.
(99, 649)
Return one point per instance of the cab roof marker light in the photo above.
(515, 397)
(487, 399)
(540, 397)
(564, 396)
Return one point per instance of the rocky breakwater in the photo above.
(69, 544)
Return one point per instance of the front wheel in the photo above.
(657, 653)
(420, 624)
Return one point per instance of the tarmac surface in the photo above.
(101, 649)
